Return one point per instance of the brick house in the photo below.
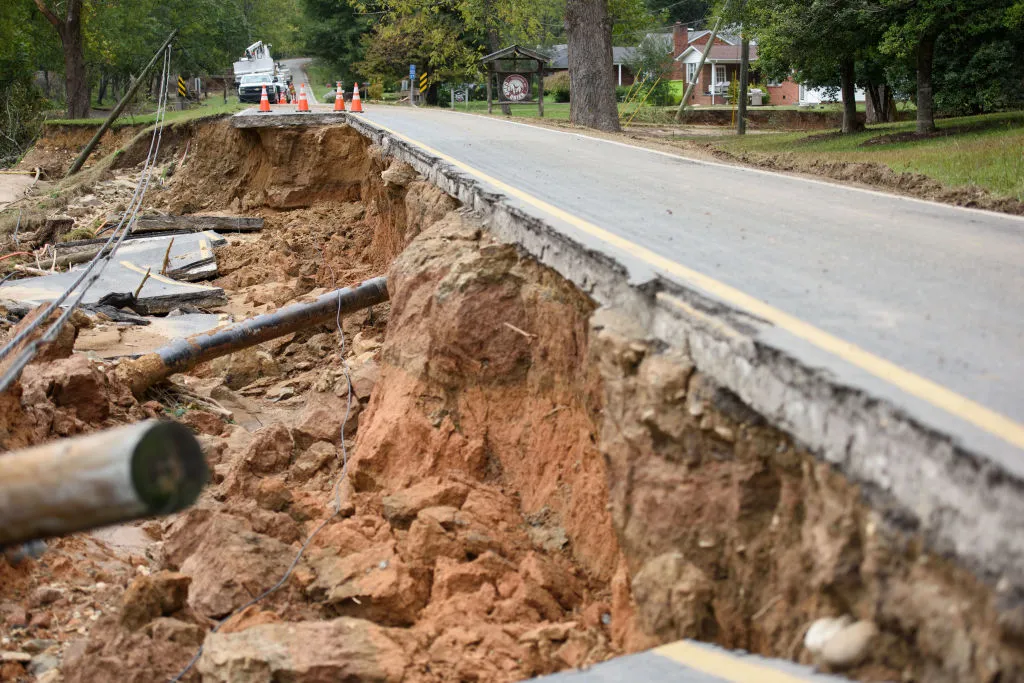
(721, 67)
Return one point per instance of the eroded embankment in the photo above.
(534, 483)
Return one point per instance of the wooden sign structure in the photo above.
(510, 70)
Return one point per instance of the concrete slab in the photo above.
(286, 116)
(191, 258)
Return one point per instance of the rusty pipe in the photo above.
(183, 354)
(145, 469)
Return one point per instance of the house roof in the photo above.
(513, 51)
(720, 53)
(559, 58)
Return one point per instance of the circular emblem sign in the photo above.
(515, 88)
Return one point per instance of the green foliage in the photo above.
(20, 119)
(333, 33)
(557, 86)
(670, 11)
(651, 63)
(980, 80)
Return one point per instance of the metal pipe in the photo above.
(182, 354)
(145, 469)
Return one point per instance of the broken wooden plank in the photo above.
(190, 223)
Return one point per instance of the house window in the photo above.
(691, 73)
(720, 73)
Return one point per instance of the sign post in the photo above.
(412, 85)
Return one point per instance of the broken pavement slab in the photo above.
(191, 258)
(191, 255)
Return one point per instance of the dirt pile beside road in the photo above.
(873, 175)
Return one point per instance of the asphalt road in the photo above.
(927, 290)
(300, 77)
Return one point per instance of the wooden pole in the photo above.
(540, 89)
(700, 65)
(118, 109)
(741, 108)
(149, 468)
(490, 77)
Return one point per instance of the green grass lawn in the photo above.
(210, 107)
(986, 151)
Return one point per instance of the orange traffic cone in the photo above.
(339, 98)
(357, 105)
(303, 102)
(264, 101)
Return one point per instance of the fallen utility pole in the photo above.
(183, 354)
(700, 66)
(145, 469)
(118, 109)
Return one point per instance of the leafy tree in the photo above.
(333, 31)
(652, 63)
(978, 69)
(821, 40)
(66, 18)
(914, 32)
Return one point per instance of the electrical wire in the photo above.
(336, 493)
(87, 278)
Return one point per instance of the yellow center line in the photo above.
(204, 249)
(935, 394)
(723, 665)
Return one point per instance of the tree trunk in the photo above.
(70, 31)
(880, 105)
(925, 96)
(741, 105)
(846, 81)
(104, 80)
(591, 78)
(873, 103)
(494, 43)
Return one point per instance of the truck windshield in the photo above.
(255, 78)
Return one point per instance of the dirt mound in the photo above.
(60, 145)
(266, 167)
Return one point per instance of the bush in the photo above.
(621, 92)
(21, 119)
(654, 94)
(376, 91)
(558, 86)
